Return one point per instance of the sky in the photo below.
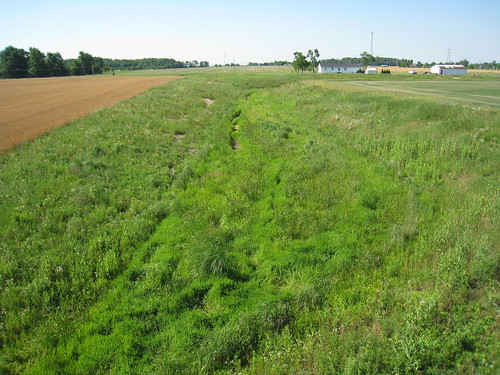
(222, 31)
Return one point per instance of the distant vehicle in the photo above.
(412, 71)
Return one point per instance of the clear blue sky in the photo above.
(255, 30)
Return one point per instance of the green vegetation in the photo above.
(17, 63)
(85, 64)
(151, 63)
(367, 59)
(13, 63)
(484, 92)
(287, 227)
(300, 62)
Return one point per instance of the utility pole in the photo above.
(448, 59)
(371, 46)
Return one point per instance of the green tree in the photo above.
(86, 62)
(367, 59)
(408, 63)
(37, 63)
(55, 65)
(98, 65)
(313, 59)
(300, 62)
(75, 67)
(13, 63)
(464, 62)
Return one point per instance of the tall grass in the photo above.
(348, 233)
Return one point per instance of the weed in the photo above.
(352, 232)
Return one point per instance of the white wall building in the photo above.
(448, 69)
(371, 70)
(339, 67)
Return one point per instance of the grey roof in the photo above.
(448, 66)
(341, 65)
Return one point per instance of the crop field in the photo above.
(465, 92)
(256, 224)
(31, 107)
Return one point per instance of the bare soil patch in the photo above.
(208, 101)
(31, 107)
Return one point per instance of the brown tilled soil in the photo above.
(31, 107)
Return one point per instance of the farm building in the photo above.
(339, 67)
(371, 70)
(448, 69)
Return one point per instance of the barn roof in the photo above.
(341, 65)
(449, 66)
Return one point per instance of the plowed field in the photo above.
(31, 107)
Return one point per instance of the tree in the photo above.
(55, 65)
(13, 63)
(300, 62)
(37, 63)
(98, 65)
(313, 59)
(86, 62)
(405, 63)
(367, 59)
(464, 62)
(75, 67)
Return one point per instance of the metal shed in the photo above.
(448, 69)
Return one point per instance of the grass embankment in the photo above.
(285, 228)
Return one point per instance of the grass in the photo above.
(463, 92)
(350, 232)
(208, 70)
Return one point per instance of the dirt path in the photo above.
(31, 107)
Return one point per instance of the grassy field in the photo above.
(208, 70)
(395, 71)
(465, 92)
(349, 232)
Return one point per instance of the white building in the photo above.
(371, 70)
(339, 67)
(448, 69)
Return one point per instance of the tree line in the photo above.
(367, 59)
(274, 63)
(18, 63)
(152, 63)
